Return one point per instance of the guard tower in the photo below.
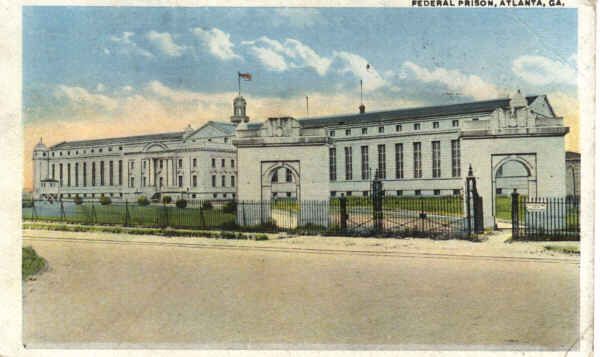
(239, 110)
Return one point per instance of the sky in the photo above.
(91, 72)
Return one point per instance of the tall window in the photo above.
(381, 160)
(348, 162)
(93, 173)
(60, 168)
(399, 161)
(111, 173)
(455, 158)
(194, 162)
(364, 162)
(76, 174)
(232, 163)
(232, 181)
(68, 174)
(222, 162)
(436, 160)
(194, 180)
(214, 180)
(132, 181)
(213, 162)
(53, 175)
(288, 175)
(180, 181)
(101, 173)
(180, 163)
(417, 160)
(332, 165)
(84, 174)
(120, 172)
(223, 181)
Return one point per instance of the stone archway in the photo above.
(512, 172)
(280, 179)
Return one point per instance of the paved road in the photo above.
(128, 293)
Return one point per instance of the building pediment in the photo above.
(210, 130)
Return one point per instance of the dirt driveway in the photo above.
(115, 291)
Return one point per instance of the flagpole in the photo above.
(239, 85)
(361, 92)
(307, 113)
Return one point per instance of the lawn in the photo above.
(152, 215)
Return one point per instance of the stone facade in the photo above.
(198, 163)
(418, 151)
(511, 143)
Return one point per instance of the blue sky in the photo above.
(86, 69)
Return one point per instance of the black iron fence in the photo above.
(543, 218)
(438, 216)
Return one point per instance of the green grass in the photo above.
(166, 232)
(31, 263)
(504, 207)
(153, 216)
(564, 250)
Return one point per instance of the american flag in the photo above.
(245, 76)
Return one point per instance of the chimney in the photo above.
(361, 109)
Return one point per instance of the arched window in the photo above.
(274, 177)
(288, 175)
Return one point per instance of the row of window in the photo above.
(120, 194)
(455, 192)
(161, 181)
(381, 129)
(381, 170)
(213, 163)
(74, 180)
(161, 163)
(83, 151)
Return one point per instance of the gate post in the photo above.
(343, 214)
(62, 211)
(126, 214)
(468, 199)
(377, 203)
(514, 213)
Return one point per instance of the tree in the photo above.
(143, 201)
(181, 203)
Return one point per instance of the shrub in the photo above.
(181, 203)
(77, 200)
(207, 205)
(230, 207)
(143, 201)
(166, 199)
(105, 200)
(31, 263)
(261, 237)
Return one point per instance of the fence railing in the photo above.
(440, 216)
(545, 218)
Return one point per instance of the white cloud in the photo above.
(100, 87)
(291, 53)
(127, 46)
(297, 17)
(165, 44)
(456, 81)
(347, 62)
(217, 42)
(269, 58)
(540, 70)
(82, 97)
